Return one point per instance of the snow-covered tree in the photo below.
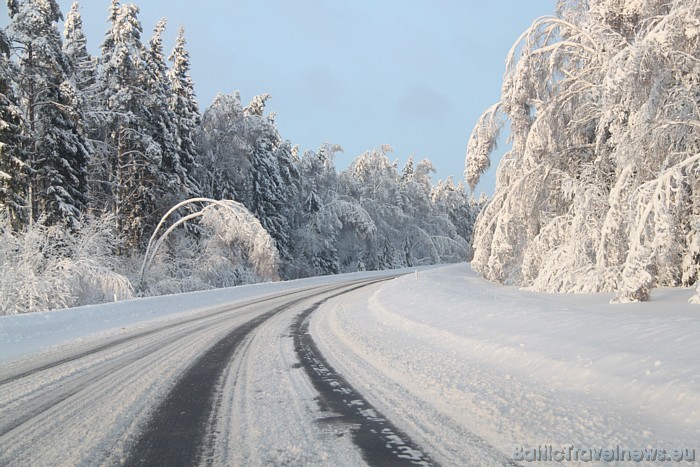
(183, 104)
(46, 267)
(83, 67)
(291, 205)
(315, 227)
(222, 169)
(451, 203)
(172, 178)
(236, 248)
(55, 151)
(13, 175)
(134, 156)
(269, 192)
(598, 191)
(428, 235)
(371, 181)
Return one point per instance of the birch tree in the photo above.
(598, 191)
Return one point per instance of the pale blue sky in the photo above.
(414, 74)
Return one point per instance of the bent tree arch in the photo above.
(232, 222)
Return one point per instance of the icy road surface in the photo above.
(435, 367)
(230, 385)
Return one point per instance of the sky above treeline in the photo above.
(414, 74)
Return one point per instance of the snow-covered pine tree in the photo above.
(183, 104)
(13, 176)
(83, 66)
(133, 156)
(268, 195)
(56, 154)
(315, 228)
(83, 78)
(98, 117)
(171, 180)
(221, 171)
(291, 207)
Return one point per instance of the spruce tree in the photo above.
(83, 67)
(13, 177)
(183, 104)
(161, 123)
(290, 185)
(134, 157)
(268, 195)
(56, 155)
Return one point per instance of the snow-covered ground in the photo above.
(458, 361)
(468, 369)
(23, 334)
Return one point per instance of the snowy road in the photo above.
(223, 386)
(434, 367)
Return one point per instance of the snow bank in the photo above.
(647, 352)
(514, 368)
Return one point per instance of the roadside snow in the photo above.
(468, 367)
(21, 335)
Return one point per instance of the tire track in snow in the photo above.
(76, 379)
(176, 432)
(372, 356)
(266, 411)
(179, 431)
(85, 405)
(380, 441)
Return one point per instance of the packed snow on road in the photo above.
(474, 373)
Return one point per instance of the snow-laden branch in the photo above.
(599, 191)
(238, 225)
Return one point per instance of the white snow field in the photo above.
(455, 360)
(469, 370)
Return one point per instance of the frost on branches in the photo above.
(94, 151)
(234, 244)
(48, 267)
(599, 191)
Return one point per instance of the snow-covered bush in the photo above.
(50, 267)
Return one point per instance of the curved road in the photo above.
(241, 384)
